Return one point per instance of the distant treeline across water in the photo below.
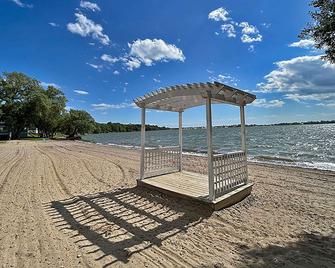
(118, 127)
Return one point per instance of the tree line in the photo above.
(25, 103)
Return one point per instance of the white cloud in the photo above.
(81, 92)
(219, 14)
(250, 33)
(148, 51)
(106, 106)
(21, 4)
(46, 84)
(53, 24)
(89, 5)
(229, 29)
(303, 43)
(248, 28)
(116, 72)
(306, 78)
(156, 80)
(131, 63)
(268, 104)
(245, 38)
(251, 48)
(95, 66)
(86, 27)
(225, 79)
(328, 105)
(109, 58)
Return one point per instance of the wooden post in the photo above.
(142, 142)
(243, 137)
(210, 146)
(180, 140)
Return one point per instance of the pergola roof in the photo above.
(181, 97)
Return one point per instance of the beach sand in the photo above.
(75, 204)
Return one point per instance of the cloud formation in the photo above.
(53, 24)
(303, 43)
(109, 59)
(148, 51)
(219, 14)
(268, 104)
(89, 5)
(95, 66)
(80, 92)
(229, 29)
(306, 78)
(21, 4)
(86, 27)
(106, 106)
(249, 33)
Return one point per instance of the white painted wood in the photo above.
(161, 160)
(142, 143)
(229, 172)
(210, 146)
(181, 97)
(180, 140)
(243, 136)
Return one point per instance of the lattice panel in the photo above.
(229, 172)
(161, 160)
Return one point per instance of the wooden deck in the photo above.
(194, 186)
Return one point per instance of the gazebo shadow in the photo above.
(311, 250)
(124, 222)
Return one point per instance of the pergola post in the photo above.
(142, 142)
(243, 137)
(210, 146)
(180, 139)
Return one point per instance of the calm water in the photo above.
(304, 145)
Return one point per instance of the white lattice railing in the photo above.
(229, 172)
(161, 160)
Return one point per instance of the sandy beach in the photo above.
(75, 204)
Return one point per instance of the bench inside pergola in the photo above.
(226, 179)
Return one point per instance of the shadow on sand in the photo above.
(124, 222)
(311, 250)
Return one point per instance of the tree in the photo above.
(77, 122)
(18, 101)
(52, 107)
(322, 30)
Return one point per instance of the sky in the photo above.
(103, 54)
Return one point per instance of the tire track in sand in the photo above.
(58, 177)
(85, 165)
(10, 169)
(99, 157)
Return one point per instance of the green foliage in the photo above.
(77, 122)
(52, 107)
(18, 101)
(322, 29)
(118, 127)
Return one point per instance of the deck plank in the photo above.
(185, 183)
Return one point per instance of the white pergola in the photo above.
(226, 172)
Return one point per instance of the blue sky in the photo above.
(103, 54)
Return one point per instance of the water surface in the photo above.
(303, 145)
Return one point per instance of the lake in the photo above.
(310, 146)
